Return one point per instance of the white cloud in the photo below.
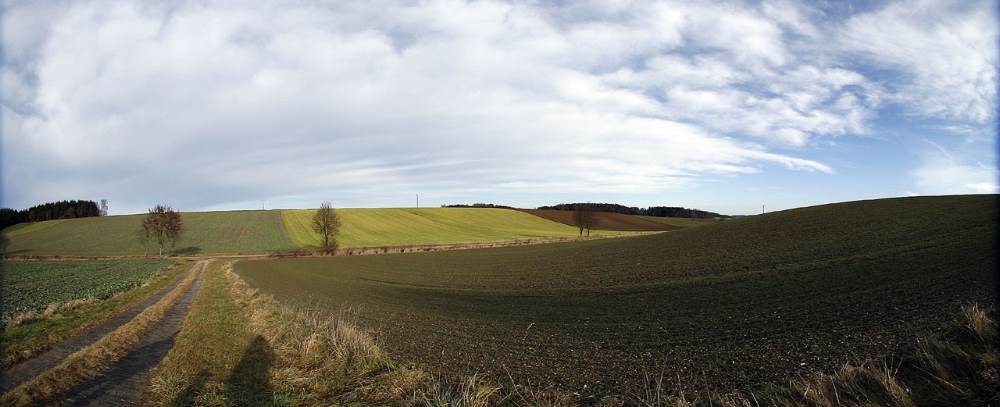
(215, 102)
(944, 172)
(947, 50)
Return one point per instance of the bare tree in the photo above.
(162, 225)
(326, 222)
(583, 217)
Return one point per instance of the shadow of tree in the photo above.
(249, 383)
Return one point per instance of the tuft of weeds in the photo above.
(472, 392)
(320, 358)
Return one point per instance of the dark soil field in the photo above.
(735, 304)
(604, 220)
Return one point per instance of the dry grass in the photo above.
(327, 360)
(89, 362)
(50, 311)
(318, 359)
(225, 373)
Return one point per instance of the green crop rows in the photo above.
(33, 285)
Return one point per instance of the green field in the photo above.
(207, 233)
(402, 226)
(33, 285)
(729, 305)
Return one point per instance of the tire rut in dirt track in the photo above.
(32, 367)
(125, 382)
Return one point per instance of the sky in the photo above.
(733, 107)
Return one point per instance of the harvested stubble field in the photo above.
(728, 305)
(33, 285)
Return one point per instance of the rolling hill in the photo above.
(605, 220)
(205, 232)
(732, 304)
(409, 226)
(233, 232)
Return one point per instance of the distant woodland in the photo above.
(49, 211)
(658, 211)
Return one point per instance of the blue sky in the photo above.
(723, 106)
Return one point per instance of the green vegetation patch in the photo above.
(728, 305)
(33, 285)
(28, 339)
(25, 228)
(204, 233)
(402, 226)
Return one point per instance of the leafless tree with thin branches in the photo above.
(326, 222)
(583, 217)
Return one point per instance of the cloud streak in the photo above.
(213, 102)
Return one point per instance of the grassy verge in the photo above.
(29, 338)
(94, 359)
(234, 370)
(316, 359)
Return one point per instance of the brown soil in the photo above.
(605, 220)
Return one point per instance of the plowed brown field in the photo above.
(736, 304)
(605, 220)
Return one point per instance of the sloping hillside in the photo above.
(205, 232)
(278, 230)
(409, 226)
(730, 304)
(683, 222)
(604, 220)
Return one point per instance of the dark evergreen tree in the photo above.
(49, 211)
